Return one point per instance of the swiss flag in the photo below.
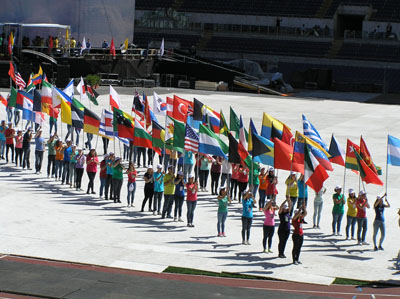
(180, 110)
(114, 98)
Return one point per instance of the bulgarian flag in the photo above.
(314, 174)
(141, 137)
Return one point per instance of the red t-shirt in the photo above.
(103, 172)
(191, 195)
(91, 166)
(361, 212)
(298, 226)
(132, 176)
(243, 176)
(8, 132)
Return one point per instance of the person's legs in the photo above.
(71, 173)
(383, 233)
(165, 206)
(56, 168)
(348, 224)
(265, 233)
(261, 202)
(249, 221)
(315, 213)
(193, 208)
(189, 211)
(2, 147)
(102, 185)
(270, 234)
(338, 223)
(176, 200)
(219, 223)
(170, 205)
(375, 231)
(364, 229)
(224, 216)
(353, 226)
(206, 172)
(224, 176)
(334, 222)
(201, 179)
(294, 200)
(359, 228)
(321, 204)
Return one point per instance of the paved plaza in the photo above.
(42, 218)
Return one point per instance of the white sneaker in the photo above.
(175, 219)
(180, 219)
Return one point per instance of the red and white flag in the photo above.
(19, 81)
(112, 48)
(180, 110)
(170, 106)
(314, 173)
(82, 89)
(115, 101)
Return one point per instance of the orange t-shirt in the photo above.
(59, 153)
(263, 182)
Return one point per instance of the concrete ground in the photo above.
(41, 218)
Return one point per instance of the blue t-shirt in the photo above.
(247, 208)
(39, 143)
(303, 189)
(109, 169)
(2, 136)
(158, 184)
(188, 160)
(180, 160)
(180, 188)
(67, 154)
(379, 213)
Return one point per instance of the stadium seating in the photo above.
(368, 51)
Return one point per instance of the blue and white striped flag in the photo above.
(311, 132)
(106, 124)
(393, 151)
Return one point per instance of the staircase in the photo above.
(335, 48)
(203, 42)
(324, 9)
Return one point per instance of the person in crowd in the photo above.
(318, 204)
(17, 117)
(284, 226)
(53, 123)
(339, 201)
(243, 179)
(91, 168)
(362, 206)
(66, 161)
(204, 171)
(73, 43)
(234, 181)
(180, 162)
(117, 178)
(292, 190)
(26, 148)
(58, 166)
(125, 156)
(169, 191)
(141, 152)
(158, 189)
(179, 196)
(105, 45)
(103, 175)
(254, 180)
(272, 191)
(379, 222)
(132, 175)
(18, 148)
(79, 168)
(188, 162)
(303, 193)
(109, 180)
(173, 158)
(51, 155)
(215, 174)
(150, 155)
(263, 179)
(9, 134)
(105, 145)
(39, 150)
(226, 173)
(3, 129)
(247, 215)
(191, 199)
(351, 214)
(297, 235)
(197, 163)
(148, 188)
(223, 201)
(269, 224)
(72, 166)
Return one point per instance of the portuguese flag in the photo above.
(123, 124)
(142, 138)
(91, 122)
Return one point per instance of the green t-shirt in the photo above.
(204, 164)
(338, 208)
(169, 189)
(118, 172)
(50, 147)
(223, 204)
(256, 173)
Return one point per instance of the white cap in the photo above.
(149, 166)
(338, 187)
(286, 206)
(361, 193)
(272, 169)
(296, 211)
(170, 166)
(221, 188)
(180, 172)
(191, 176)
(159, 166)
(351, 191)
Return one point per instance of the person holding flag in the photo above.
(18, 148)
(298, 234)
(351, 214)
(247, 215)
(51, 155)
(158, 189)
(379, 222)
(2, 138)
(39, 151)
(223, 201)
(91, 168)
(292, 190)
(169, 191)
(9, 134)
(362, 206)
(191, 199)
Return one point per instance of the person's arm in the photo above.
(366, 204)
(304, 213)
(282, 205)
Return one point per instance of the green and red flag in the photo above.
(141, 137)
(123, 124)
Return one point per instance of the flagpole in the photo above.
(387, 164)
(344, 180)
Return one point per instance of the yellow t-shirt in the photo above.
(292, 190)
(351, 208)
(169, 189)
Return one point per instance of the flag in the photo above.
(12, 100)
(256, 146)
(46, 93)
(27, 109)
(138, 105)
(66, 113)
(366, 173)
(311, 132)
(37, 101)
(37, 78)
(112, 50)
(57, 96)
(319, 153)
(283, 154)
(142, 138)
(366, 156)
(91, 122)
(210, 143)
(49, 110)
(212, 117)
(19, 81)
(336, 152)
(106, 124)
(242, 134)
(123, 124)
(21, 95)
(287, 135)
(159, 105)
(83, 47)
(268, 157)
(170, 106)
(275, 133)
(179, 136)
(314, 174)
(77, 117)
(11, 71)
(81, 88)
(237, 152)
(191, 139)
(234, 123)
(223, 127)
(162, 48)
(10, 44)
(115, 102)
(266, 127)
(69, 89)
(91, 93)
(393, 151)
(351, 161)
(169, 129)
(124, 46)
(197, 110)
(180, 110)
(39, 118)
(30, 86)
(3, 100)
(158, 134)
(252, 130)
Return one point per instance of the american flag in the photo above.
(191, 139)
(19, 81)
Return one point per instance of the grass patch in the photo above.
(347, 281)
(179, 270)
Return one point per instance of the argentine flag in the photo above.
(393, 154)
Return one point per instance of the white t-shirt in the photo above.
(226, 167)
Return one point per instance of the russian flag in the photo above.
(336, 152)
(213, 117)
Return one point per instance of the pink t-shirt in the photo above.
(91, 166)
(191, 195)
(18, 141)
(269, 217)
